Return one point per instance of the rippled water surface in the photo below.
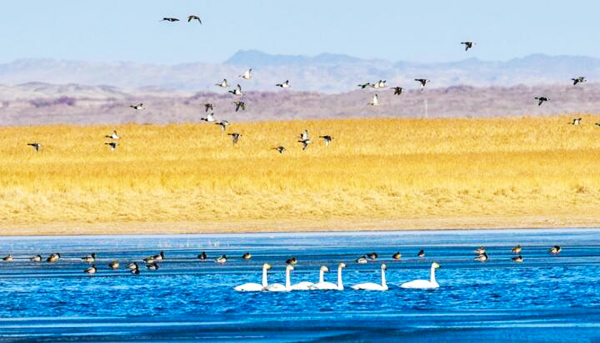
(546, 298)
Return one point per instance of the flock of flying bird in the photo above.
(152, 263)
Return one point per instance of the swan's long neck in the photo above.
(383, 278)
(340, 283)
(432, 275)
(321, 276)
(264, 280)
(288, 285)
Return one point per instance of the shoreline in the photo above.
(303, 226)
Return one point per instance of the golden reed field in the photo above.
(377, 174)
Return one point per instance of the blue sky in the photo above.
(425, 31)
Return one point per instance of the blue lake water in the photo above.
(546, 298)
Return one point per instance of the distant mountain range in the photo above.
(326, 73)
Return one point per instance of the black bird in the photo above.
(113, 145)
(541, 100)
(114, 265)
(194, 17)
(202, 256)
(292, 261)
(305, 143)
(597, 124)
(36, 146)
(158, 257)
(172, 20)
(365, 85)
(89, 258)
(577, 80)
(423, 82)
(555, 250)
(362, 260)
(239, 105)
(398, 90)
(235, 137)
(208, 106)
(8, 258)
(421, 253)
(135, 271)
(280, 149)
(468, 45)
(223, 124)
(517, 259)
(482, 258)
(373, 256)
(53, 258)
(397, 256)
(327, 139)
(247, 256)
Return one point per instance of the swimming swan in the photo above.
(424, 284)
(277, 287)
(322, 285)
(306, 285)
(255, 287)
(369, 286)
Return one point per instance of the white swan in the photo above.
(255, 287)
(277, 287)
(424, 284)
(305, 285)
(322, 285)
(369, 286)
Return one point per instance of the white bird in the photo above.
(305, 285)
(137, 107)
(375, 100)
(370, 286)
(112, 145)
(304, 135)
(423, 82)
(323, 285)
(277, 287)
(223, 124)
(480, 250)
(91, 270)
(576, 122)
(209, 118)
(305, 143)
(113, 135)
(237, 90)
(247, 75)
(255, 287)
(285, 84)
(424, 284)
(222, 84)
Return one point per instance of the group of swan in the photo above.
(323, 285)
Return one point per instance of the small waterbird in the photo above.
(237, 90)
(305, 143)
(541, 100)
(576, 121)
(292, 261)
(365, 85)
(239, 105)
(247, 75)
(53, 258)
(577, 80)
(372, 256)
(555, 250)
(36, 146)
(152, 266)
(222, 84)
(516, 250)
(326, 139)
(597, 124)
(113, 135)
(480, 250)
(36, 258)
(158, 257)
(89, 258)
(8, 258)
(374, 100)
(382, 84)
(223, 124)
(398, 90)
(221, 259)
(137, 107)
(209, 118)
(170, 19)
(468, 45)
(517, 259)
(112, 145)
(482, 258)
(362, 260)
(208, 106)
(285, 84)
(247, 256)
(202, 256)
(91, 270)
(194, 17)
(113, 265)
(397, 256)
(235, 137)
(280, 149)
(132, 266)
(423, 82)
(135, 271)
(421, 253)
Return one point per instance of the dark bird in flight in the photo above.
(209, 118)
(541, 100)
(365, 85)
(423, 82)
(237, 90)
(169, 19)
(223, 124)
(468, 45)
(235, 137)
(305, 143)
(398, 90)
(194, 17)
(239, 105)
(326, 139)
(209, 106)
(280, 149)
(576, 121)
(112, 145)
(36, 146)
(577, 80)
